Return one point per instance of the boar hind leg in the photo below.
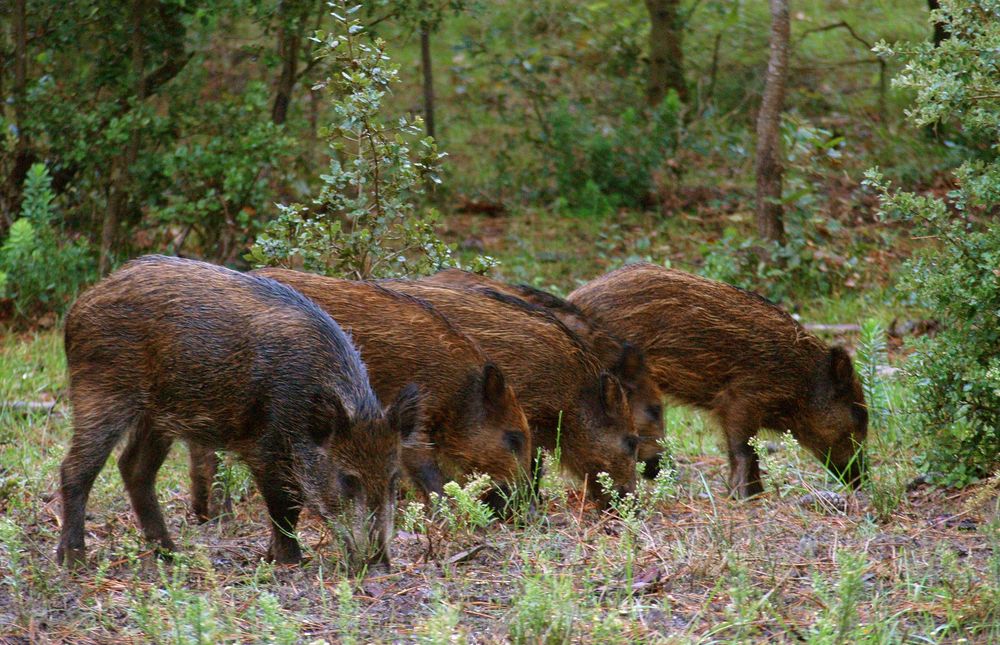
(140, 461)
(744, 467)
(203, 465)
(94, 437)
(283, 505)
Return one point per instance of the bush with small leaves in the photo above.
(365, 222)
(40, 270)
(955, 375)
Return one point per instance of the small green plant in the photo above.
(872, 354)
(348, 610)
(10, 541)
(232, 480)
(442, 626)
(412, 517)
(365, 222)
(461, 507)
(782, 466)
(39, 271)
(273, 621)
(838, 623)
(546, 610)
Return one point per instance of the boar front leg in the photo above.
(744, 467)
(281, 495)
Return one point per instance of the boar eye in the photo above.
(350, 485)
(514, 441)
(655, 411)
(631, 444)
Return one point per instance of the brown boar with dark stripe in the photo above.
(625, 360)
(167, 349)
(554, 375)
(735, 354)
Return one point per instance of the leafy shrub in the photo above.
(956, 374)
(609, 158)
(39, 271)
(810, 261)
(365, 223)
(219, 180)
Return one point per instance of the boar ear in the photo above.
(494, 385)
(612, 395)
(630, 363)
(841, 368)
(406, 412)
(341, 418)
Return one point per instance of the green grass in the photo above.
(684, 565)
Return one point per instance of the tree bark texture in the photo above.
(426, 64)
(289, 45)
(768, 165)
(666, 57)
(121, 174)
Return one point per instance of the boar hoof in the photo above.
(747, 490)
(284, 554)
(72, 557)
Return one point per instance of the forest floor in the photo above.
(899, 561)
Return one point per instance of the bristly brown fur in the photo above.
(614, 354)
(553, 374)
(403, 338)
(734, 353)
(167, 349)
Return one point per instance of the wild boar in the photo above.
(167, 349)
(568, 398)
(737, 355)
(625, 360)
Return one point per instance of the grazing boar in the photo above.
(625, 360)
(555, 376)
(474, 421)
(167, 349)
(735, 354)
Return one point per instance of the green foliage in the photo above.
(365, 222)
(41, 271)
(461, 508)
(220, 181)
(956, 374)
(545, 610)
(602, 163)
(808, 261)
(839, 621)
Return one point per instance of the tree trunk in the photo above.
(22, 152)
(940, 33)
(122, 172)
(666, 57)
(768, 164)
(289, 44)
(426, 66)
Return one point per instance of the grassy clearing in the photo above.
(681, 564)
